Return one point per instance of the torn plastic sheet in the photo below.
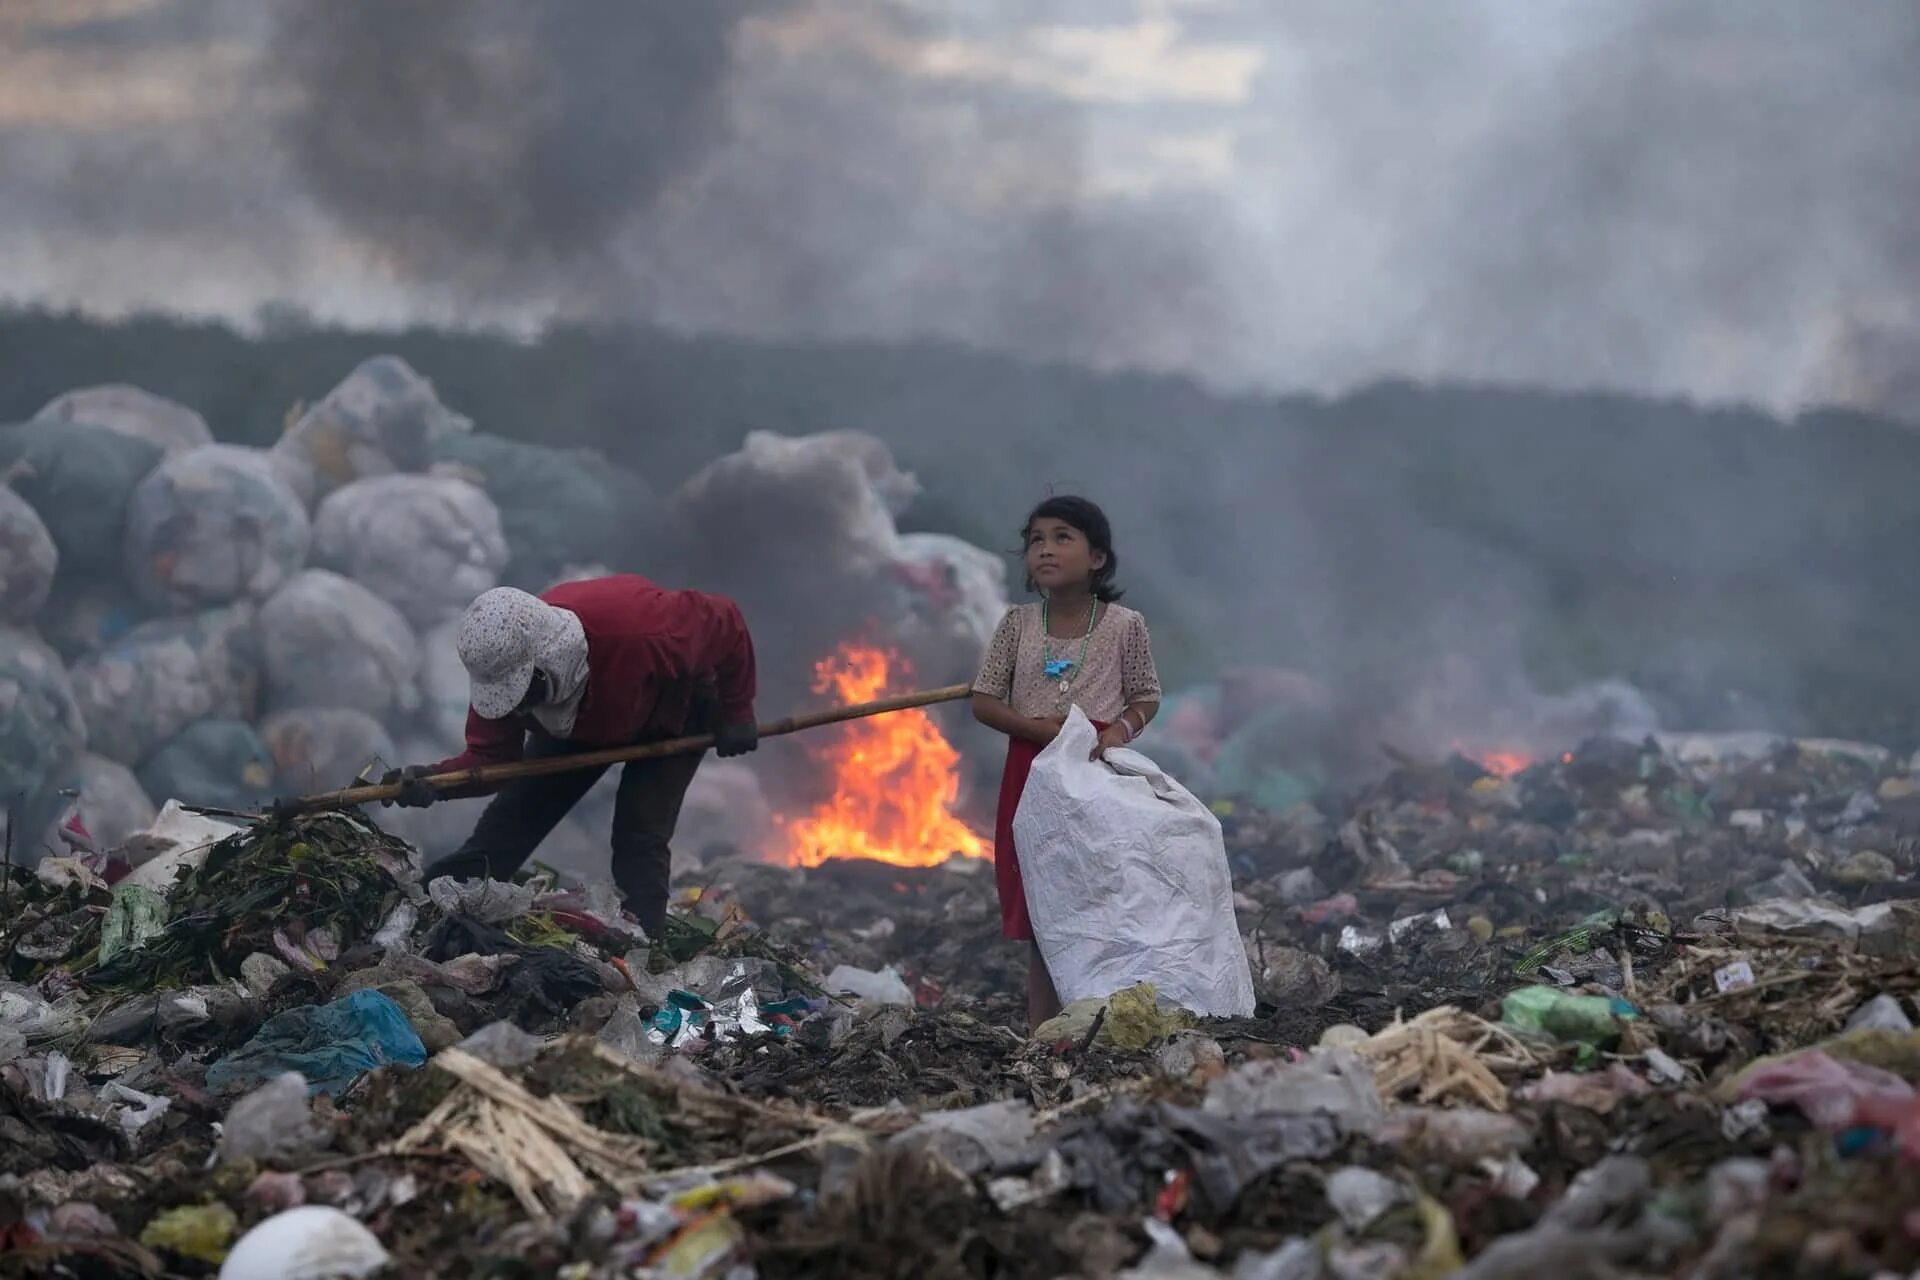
(137, 1109)
(481, 901)
(398, 929)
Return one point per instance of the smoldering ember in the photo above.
(1543, 986)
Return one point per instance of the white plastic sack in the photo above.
(132, 412)
(952, 587)
(319, 748)
(41, 717)
(28, 559)
(111, 803)
(161, 676)
(327, 641)
(212, 525)
(1127, 881)
(381, 419)
(425, 544)
(444, 687)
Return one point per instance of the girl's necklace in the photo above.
(1062, 669)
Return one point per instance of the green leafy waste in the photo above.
(332, 871)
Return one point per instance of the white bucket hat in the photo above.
(505, 636)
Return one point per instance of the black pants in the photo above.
(644, 816)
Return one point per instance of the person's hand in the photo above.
(735, 740)
(1047, 728)
(1114, 735)
(414, 791)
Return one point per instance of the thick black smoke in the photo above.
(496, 144)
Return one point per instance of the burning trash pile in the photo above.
(1642, 1008)
(185, 619)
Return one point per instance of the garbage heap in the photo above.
(1646, 1009)
(187, 619)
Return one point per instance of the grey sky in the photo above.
(1715, 199)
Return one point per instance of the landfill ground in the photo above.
(1644, 1010)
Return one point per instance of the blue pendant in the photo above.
(1058, 667)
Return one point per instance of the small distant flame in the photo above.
(1504, 764)
(895, 777)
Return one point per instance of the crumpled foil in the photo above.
(689, 1017)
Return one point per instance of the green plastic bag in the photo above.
(201, 1232)
(80, 478)
(136, 917)
(1575, 1019)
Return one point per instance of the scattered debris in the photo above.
(1603, 1041)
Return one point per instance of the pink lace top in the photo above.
(1118, 670)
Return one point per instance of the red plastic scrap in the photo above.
(1173, 1197)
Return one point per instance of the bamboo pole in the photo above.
(489, 775)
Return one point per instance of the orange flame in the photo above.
(895, 778)
(1504, 764)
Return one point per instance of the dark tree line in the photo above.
(1743, 569)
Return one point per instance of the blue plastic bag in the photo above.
(332, 1045)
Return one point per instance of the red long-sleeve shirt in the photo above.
(648, 650)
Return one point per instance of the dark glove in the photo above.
(735, 740)
(414, 791)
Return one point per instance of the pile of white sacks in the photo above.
(186, 619)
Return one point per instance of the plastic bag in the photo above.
(1332, 1082)
(1565, 1016)
(40, 717)
(953, 585)
(26, 1011)
(557, 506)
(176, 841)
(80, 478)
(327, 641)
(426, 544)
(27, 560)
(213, 525)
(381, 419)
(332, 1045)
(884, 987)
(197, 1231)
(445, 687)
(274, 1122)
(219, 763)
(481, 901)
(137, 916)
(163, 675)
(133, 412)
(310, 1242)
(110, 802)
(1126, 878)
(319, 748)
(86, 613)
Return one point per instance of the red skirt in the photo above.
(1014, 922)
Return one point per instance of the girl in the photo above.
(1076, 647)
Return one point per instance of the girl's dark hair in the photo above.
(1091, 521)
